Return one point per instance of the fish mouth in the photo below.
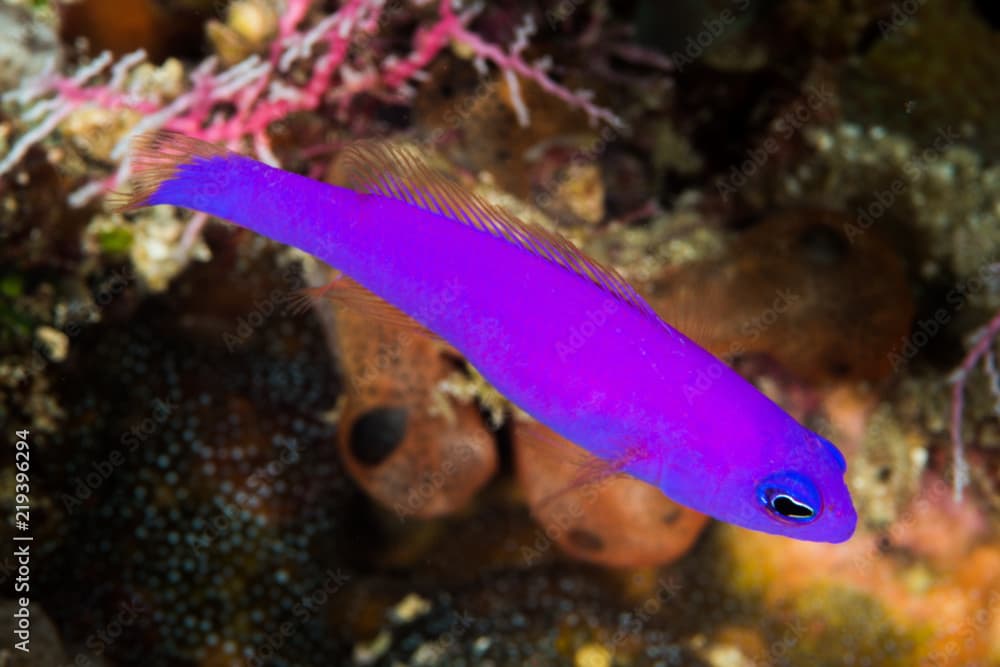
(838, 527)
(844, 536)
(845, 518)
(843, 532)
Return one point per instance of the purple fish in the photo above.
(564, 338)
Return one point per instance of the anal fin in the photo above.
(585, 470)
(347, 292)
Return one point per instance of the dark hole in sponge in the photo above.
(376, 434)
(989, 11)
(823, 244)
(670, 518)
(839, 368)
(586, 540)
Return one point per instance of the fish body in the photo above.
(563, 338)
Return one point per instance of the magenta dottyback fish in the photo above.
(564, 338)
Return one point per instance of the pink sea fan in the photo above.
(312, 60)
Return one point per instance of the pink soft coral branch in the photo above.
(980, 351)
(514, 63)
(262, 91)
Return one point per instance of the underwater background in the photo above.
(212, 474)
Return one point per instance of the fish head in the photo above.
(787, 481)
(800, 492)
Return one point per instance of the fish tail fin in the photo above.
(170, 168)
(167, 168)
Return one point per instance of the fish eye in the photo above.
(790, 508)
(790, 497)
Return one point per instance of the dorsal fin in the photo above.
(399, 171)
